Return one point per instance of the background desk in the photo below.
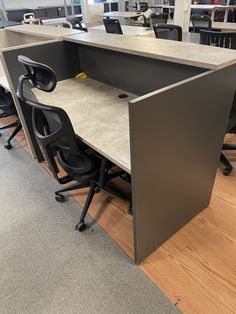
(4, 24)
(175, 133)
(230, 27)
(208, 7)
(44, 31)
(122, 15)
(146, 32)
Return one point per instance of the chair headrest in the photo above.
(40, 75)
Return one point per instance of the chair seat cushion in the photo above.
(81, 166)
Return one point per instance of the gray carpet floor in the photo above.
(47, 267)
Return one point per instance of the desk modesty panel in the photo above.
(173, 126)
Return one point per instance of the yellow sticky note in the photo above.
(81, 75)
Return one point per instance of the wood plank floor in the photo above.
(196, 268)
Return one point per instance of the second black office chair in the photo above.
(231, 128)
(76, 23)
(8, 109)
(156, 18)
(168, 31)
(218, 39)
(112, 26)
(201, 22)
(55, 136)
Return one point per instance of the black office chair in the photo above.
(231, 128)
(156, 18)
(8, 109)
(201, 22)
(55, 136)
(112, 26)
(76, 23)
(168, 31)
(218, 39)
(143, 6)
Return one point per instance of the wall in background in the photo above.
(31, 4)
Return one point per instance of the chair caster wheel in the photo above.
(8, 146)
(97, 189)
(60, 198)
(226, 172)
(80, 226)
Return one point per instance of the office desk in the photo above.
(122, 15)
(208, 7)
(126, 15)
(228, 27)
(146, 32)
(43, 30)
(173, 128)
(57, 21)
(166, 50)
(4, 24)
(127, 30)
(104, 110)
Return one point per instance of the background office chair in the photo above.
(224, 40)
(201, 22)
(143, 6)
(7, 107)
(55, 136)
(155, 18)
(231, 128)
(112, 26)
(76, 23)
(66, 24)
(218, 39)
(168, 31)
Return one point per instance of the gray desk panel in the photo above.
(138, 75)
(176, 138)
(60, 56)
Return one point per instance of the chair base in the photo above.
(18, 127)
(227, 165)
(95, 187)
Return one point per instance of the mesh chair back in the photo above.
(157, 18)
(168, 31)
(112, 26)
(143, 6)
(201, 22)
(76, 23)
(52, 127)
(218, 39)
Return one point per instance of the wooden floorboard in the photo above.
(196, 267)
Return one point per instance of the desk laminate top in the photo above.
(44, 30)
(225, 26)
(145, 31)
(97, 114)
(127, 15)
(167, 50)
(127, 30)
